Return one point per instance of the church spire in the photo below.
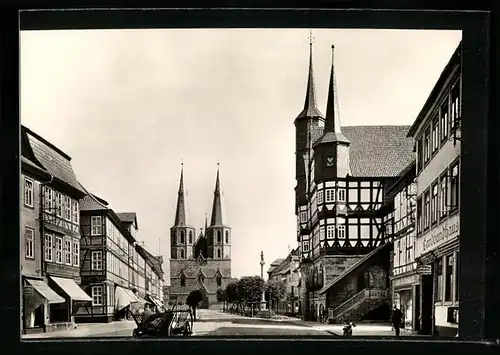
(310, 109)
(217, 218)
(206, 223)
(180, 213)
(332, 132)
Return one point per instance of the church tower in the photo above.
(307, 121)
(331, 151)
(182, 234)
(218, 233)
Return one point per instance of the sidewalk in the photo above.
(86, 329)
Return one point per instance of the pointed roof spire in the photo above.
(206, 222)
(310, 109)
(217, 215)
(180, 212)
(332, 132)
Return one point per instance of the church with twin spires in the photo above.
(199, 262)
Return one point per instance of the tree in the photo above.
(193, 299)
(232, 293)
(275, 290)
(250, 290)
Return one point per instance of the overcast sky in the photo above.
(129, 105)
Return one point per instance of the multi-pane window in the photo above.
(28, 192)
(59, 250)
(96, 295)
(448, 292)
(67, 208)
(95, 225)
(427, 144)
(420, 154)
(321, 233)
(320, 196)
(434, 203)
(67, 251)
(443, 196)
(455, 106)
(330, 232)
(306, 246)
(427, 209)
(419, 215)
(75, 213)
(48, 247)
(47, 199)
(76, 253)
(454, 187)
(96, 260)
(330, 195)
(29, 241)
(435, 134)
(59, 204)
(341, 195)
(303, 217)
(439, 280)
(444, 120)
(341, 232)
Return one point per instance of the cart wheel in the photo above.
(187, 330)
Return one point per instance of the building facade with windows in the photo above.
(342, 174)
(113, 265)
(50, 212)
(203, 263)
(400, 230)
(287, 271)
(437, 134)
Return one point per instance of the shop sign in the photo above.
(438, 236)
(405, 280)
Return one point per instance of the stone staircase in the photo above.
(358, 305)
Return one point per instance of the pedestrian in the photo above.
(396, 319)
(146, 314)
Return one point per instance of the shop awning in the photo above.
(71, 288)
(154, 301)
(45, 291)
(132, 296)
(122, 298)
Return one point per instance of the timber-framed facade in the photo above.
(343, 174)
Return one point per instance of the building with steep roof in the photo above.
(342, 175)
(50, 224)
(203, 263)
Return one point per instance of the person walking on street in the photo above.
(146, 314)
(396, 319)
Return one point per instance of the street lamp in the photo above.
(263, 300)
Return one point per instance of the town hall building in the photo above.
(203, 262)
(342, 175)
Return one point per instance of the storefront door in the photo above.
(427, 306)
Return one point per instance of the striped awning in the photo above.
(71, 288)
(45, 291)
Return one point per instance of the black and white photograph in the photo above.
(240, 182)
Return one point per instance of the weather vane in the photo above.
(182, 162)
(311, 38)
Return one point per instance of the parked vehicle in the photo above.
(171, 323)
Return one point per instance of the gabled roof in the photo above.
(353, 267)
(128, 217)
(153, 261)
(52, 159)
(379, 151)
(91, 203)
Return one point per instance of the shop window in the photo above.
(438, 291)
(457, 276)
(448, 290)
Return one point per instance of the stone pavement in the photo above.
(87, 329)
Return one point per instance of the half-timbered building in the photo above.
(436, 131)
(342, 175)
(50, 260)
(203, 263)
(112, 268)
(400, 231)
(287, 271)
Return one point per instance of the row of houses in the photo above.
(80, 260)
(378, 214)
